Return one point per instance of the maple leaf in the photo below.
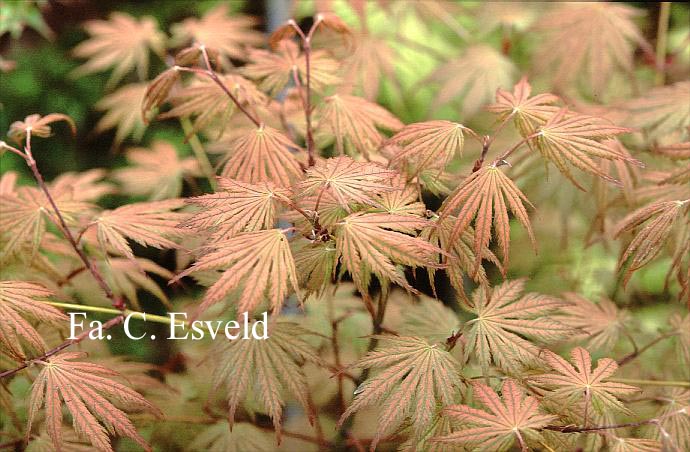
(475, 76)
(582, 383)
(225, 34)
(375, 242)
(156, 172)
(8, 183)
(601, 324)
(20, 299)
(262, 154)
(316, 263)
(514, 418)
(354, 123)
(675, 429)
(590, 40)
(208, 104)
(431, 319)
(403, 200)
(123, 112)
(85, 186)
(147, 223)
(364, 66)
(38, 125)
(504, 319)
(122, 42)
(681, 326)
(485, 197)
(430, 144)
(416, 376)
(24, 215)
(88, 391)
(575, 139)
(462, 259)
(274, 70)
(267, 368)
(261, 259)
(236, 207)
(660, 218)
(347, 181)
(242, 437)
(527, 112)
(663, 110)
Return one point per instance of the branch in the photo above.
(626, 359)
(598, 428)
(106, 326)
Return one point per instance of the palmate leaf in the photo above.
(274, 70)
(19, 301)
(354, 123)
(514, 419)
(575, 139)
(426, 145)
(122, 42)
(660, 218)
(662, 110)
(242, 437)
(267, 368)
(600, 324)
(528, 112)
(88, 391)
(262, 154)
(484, 198)
(462, 259)
(156, 172)
(504, 318)
(123, 112)
(236, 207)
(86, 186)
(676, 426)
(317, 264)
(261, 261)
(590, 40)
(375, 242)
(147, 223)
(617, 444)
(582, 383)
(208, 104)
(223, 33)
(24, 214)
(474, 76)
(347, 181)
(415, 377)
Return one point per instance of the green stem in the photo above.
(199, 152)
(661, 41)
(127, 312)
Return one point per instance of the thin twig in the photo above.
(598, 428)
(626, 359)
(661, 42)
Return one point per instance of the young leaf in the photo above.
(123, 112)
(575, 139)
(354, 123)
(267, 368)
(122, 42)
(156, 172)
(601, 324)
(430, 144)
(275, 70)
(663, 110)
(573, 384)
(660, 218)
(225, 34)
(236, 207)
(485, 197)
(504, 319)
(528, 112)
(588, 40)
(375, 242)
(261, 261)
(416, 376)
(241, 437)
(262, 154)
(475, 76)
(20, 300)
(88, 392)
(516, 418)
(347, 181)
(147, 223)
